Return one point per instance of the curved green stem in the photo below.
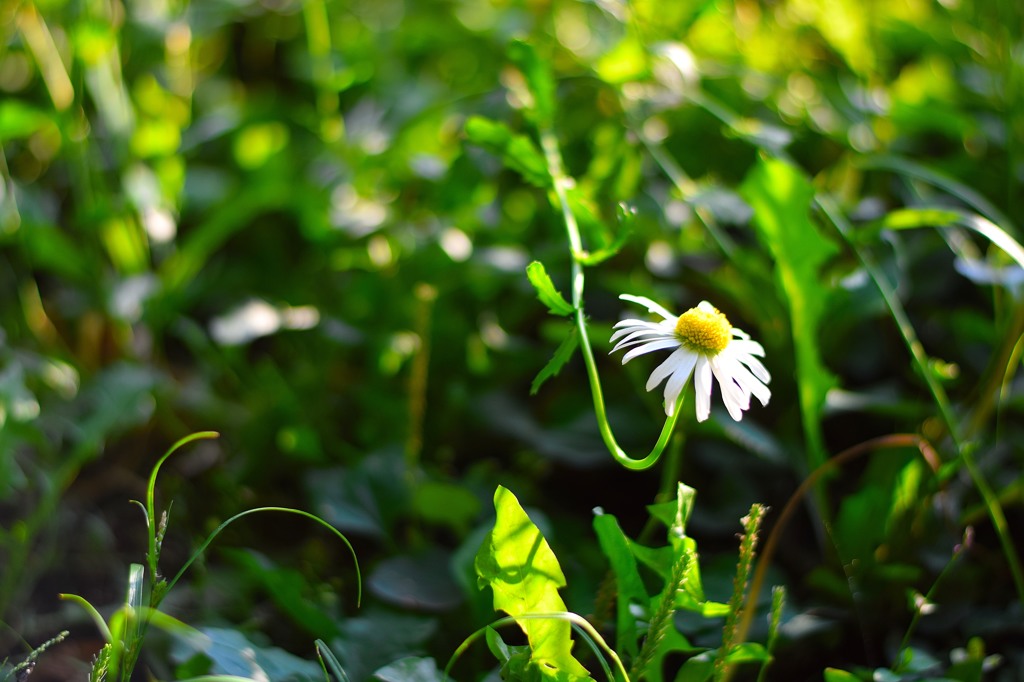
(618, 453)
(560, 182)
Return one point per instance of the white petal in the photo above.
(659, 344)
(735, 395)
(740, 334)
(747, 346)
(626, 326)
(735, 398)
(649, 304)
(638, 336)
(676, 382)
(702, 385)
(750, 384)
(680, 362)
(755, 366)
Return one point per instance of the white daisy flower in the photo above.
(704, 344)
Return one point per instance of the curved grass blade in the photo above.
(329, 662)
(286, 510)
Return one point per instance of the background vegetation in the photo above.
(306, 224)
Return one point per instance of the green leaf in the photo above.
(445, 504)
(697, 669)
(517, 152)
(288, 588)
(837, 675)
(232, 653)
(410, 669)
(781, 197)
(546, 291)
(516, 562)
(562, 355)
(629, 586)
(538, 80)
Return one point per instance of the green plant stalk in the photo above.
(737, 608)
(560, 181)
(995, 388)
(774, 620)
(958, 551)
(318, 41)
(988, 496)
(662, 618)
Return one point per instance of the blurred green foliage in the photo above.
(306, 225)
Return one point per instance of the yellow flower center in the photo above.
(704, 329)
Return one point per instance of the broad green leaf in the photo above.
(629, 586)
(445, 504)
(673, 642)
(410, 669)
(562, 355)
(546, 291)
(538, 79)
(516, 562)
(837, 675)
(747, 652)
(697, 669)
(518, 152)
(231, 653)
(781, 198)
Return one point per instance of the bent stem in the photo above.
(560, 182)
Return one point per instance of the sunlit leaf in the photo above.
(516, 562)
(410, 669)
(546, 291)
(781, 198)
(518, 152)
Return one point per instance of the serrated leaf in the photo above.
(546, 291)
(516, 562)
(781, 197)
(517, 152)
(562, 355)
